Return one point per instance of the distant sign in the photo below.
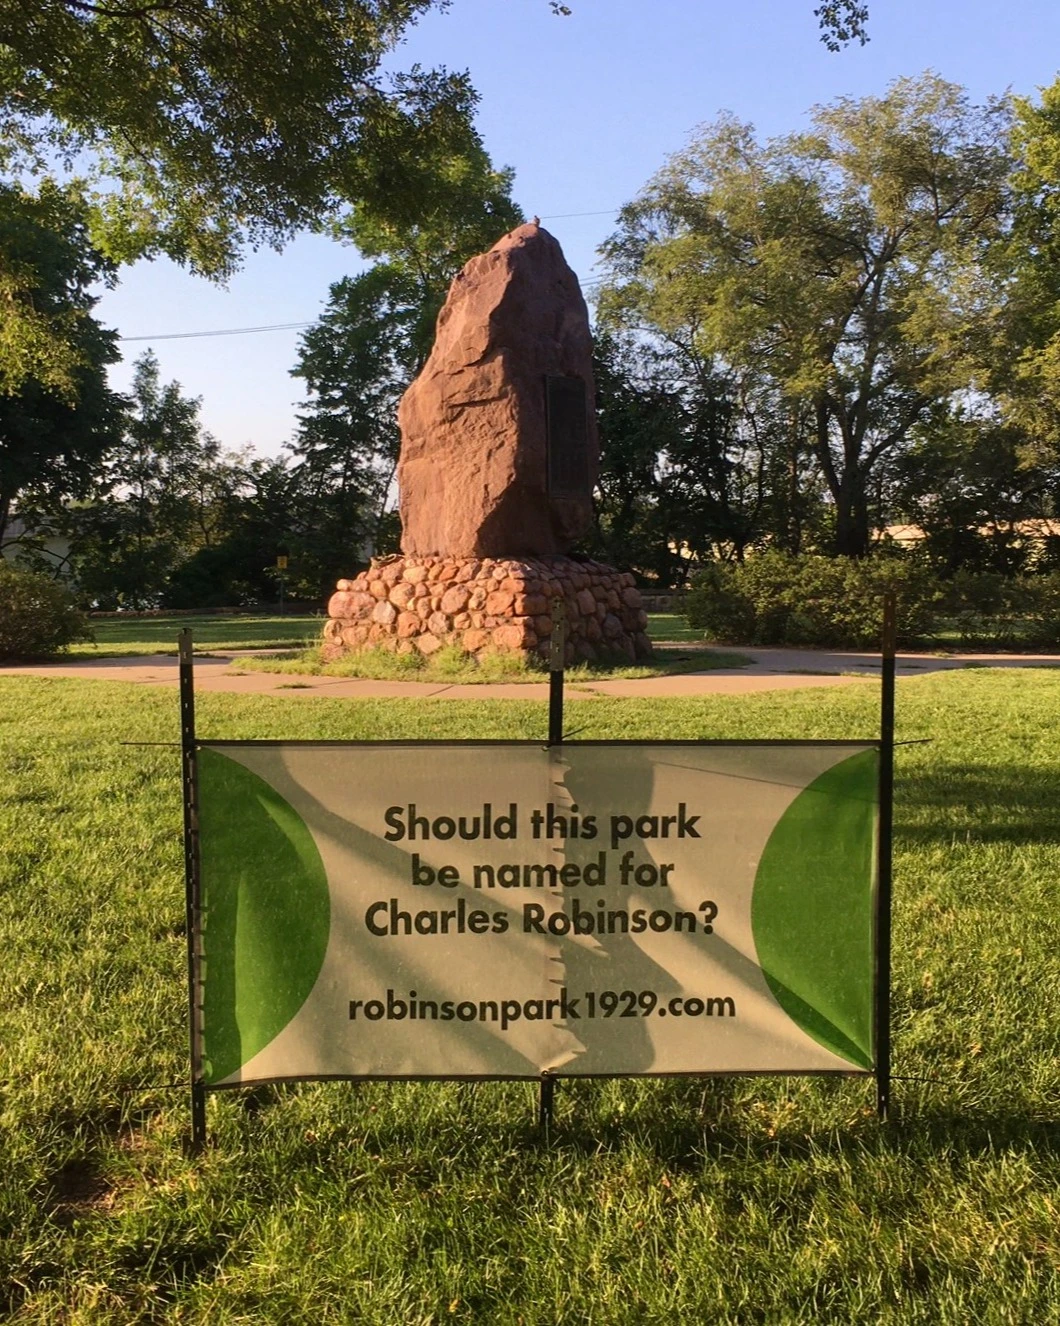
(568, 437)
(508, 909)
(281, 563)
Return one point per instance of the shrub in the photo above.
(38, 616)
(776, 599)
(1015, 612)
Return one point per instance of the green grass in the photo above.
(451, 664)
(672, 626)
(121, 636)
(728, 1201)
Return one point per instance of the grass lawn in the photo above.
(727, 1201)
(118, 637)
(121, 636)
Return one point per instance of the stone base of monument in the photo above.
(481, 604)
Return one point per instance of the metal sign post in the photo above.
(557, 657)
(883, 894)
(192, 885)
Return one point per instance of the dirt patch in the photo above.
(78, 1189)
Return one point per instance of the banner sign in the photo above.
(503, 910)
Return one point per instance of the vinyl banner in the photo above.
(506, 909)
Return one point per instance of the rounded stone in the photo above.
(475, 639)
(385, 613)
(408, 624)
(455, 599)
(514, 636)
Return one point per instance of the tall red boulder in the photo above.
(499, 450)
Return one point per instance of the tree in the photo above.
(695, 462)
(841, 22)
(153, 499)
(1021, 351)
(843, 265)
(215, 122)
(356, 360)
(966, 480)
(262, 509)
(57, 415)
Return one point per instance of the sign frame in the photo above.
(881, 927)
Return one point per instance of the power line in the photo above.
(566, 216)
(297, 326)
(223, 331)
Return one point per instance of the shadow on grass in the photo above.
(681, 1124)
(978, 803)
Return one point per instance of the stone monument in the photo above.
(499, 454)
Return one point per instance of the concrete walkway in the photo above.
(769, 670)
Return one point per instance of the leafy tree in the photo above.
(211, 122)
(57, 415)
(261, 511)
(1021, 358)
(843, 266)
(356, 360)
(151, 507)
(966, 480)
(695, 463)
(841, 22)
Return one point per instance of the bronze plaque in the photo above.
(568, 437)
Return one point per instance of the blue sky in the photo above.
(585, 109)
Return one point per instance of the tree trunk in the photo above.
(851, 519)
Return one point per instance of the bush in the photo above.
(38, 616)
(776, 599)
(1015, 612)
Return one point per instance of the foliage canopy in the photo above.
(840, 265)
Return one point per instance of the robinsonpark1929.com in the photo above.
(563, 1008)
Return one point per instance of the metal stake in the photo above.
(192, 885)
(555, 738)
(883, 867)
(555, 672)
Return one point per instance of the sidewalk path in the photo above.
(769, 670)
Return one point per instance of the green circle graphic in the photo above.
(266, 913)
(812, 908)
